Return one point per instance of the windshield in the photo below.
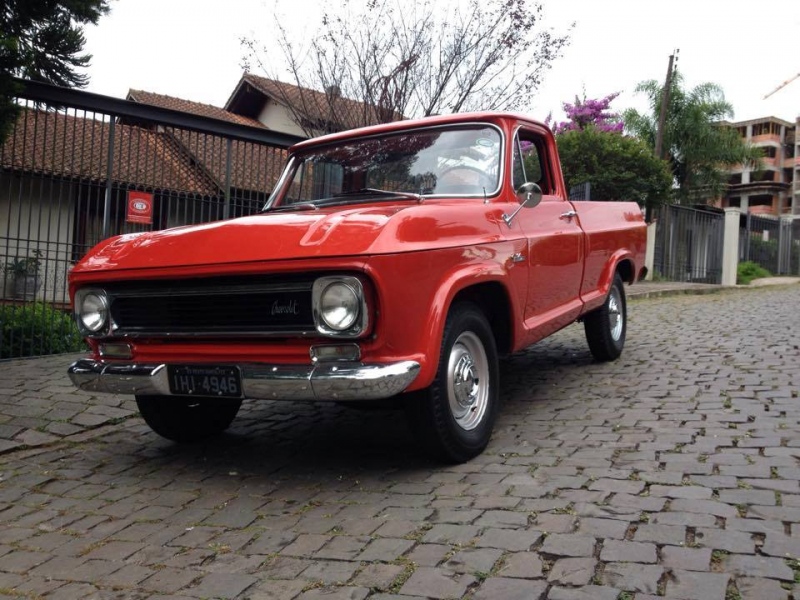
(458, 160)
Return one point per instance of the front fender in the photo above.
(416, 291)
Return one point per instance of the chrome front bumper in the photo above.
(323, 381)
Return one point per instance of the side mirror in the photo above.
(529, 195)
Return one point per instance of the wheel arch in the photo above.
(621, 263)
(492, 299)
(626, 270)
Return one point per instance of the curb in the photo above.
(634, 295)
(700, 289)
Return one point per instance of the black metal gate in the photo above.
(771, 242)
(75, 169)
(689, 243)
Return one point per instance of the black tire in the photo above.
(606, 326)
(453, 419)
(187, 419)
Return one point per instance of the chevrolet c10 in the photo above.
(396, 261)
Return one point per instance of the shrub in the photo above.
(35, 329)
(747, 271)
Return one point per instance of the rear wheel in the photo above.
(187, 419)
(606, 326)
(453, 419)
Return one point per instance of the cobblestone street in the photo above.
(673, 472)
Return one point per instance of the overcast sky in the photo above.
(190, 48)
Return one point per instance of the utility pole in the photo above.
(662, 118)
(662, 115)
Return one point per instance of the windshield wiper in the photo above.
(298, 206)
(363, 191)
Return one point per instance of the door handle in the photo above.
(568, 215)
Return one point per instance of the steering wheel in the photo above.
(485, 182)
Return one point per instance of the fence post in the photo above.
(748, 229)
(650, 252)
(730, 246)
(784, 245)
(226, 211)
(109, 181)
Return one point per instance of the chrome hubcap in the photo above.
(468, 381)
(615, 318)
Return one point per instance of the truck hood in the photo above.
(328, 232)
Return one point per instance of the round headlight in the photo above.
(93, 312)
(339, 306)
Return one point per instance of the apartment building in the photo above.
(774, 188)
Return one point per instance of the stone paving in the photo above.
(673, 472)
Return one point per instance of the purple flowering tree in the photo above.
(588, 111)
(593, 149)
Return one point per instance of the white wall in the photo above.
(279, 118)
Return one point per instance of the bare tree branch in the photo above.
(396, 59)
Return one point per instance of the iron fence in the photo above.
(78, 168)
(689, 244)
(582, 191)
(771, 242)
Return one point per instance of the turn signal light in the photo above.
(116, 351)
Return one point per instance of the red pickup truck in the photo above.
(392, 261)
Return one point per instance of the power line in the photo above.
(781, 86)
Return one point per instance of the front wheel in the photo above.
(453, 419)
(187, 419)
(606, 326)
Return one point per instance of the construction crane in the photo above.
(781, 86)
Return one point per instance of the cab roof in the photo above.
(395, 126)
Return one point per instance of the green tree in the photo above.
(617, 166)
(42, 40)
(697, 142)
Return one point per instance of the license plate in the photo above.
(188, 380)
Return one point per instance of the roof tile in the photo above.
(74, 146)
(195, 108)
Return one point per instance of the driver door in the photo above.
(554, 242)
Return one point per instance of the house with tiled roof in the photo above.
(294, 109)
(251, 168)
(278, 106)
(68, 174)
(69, 170)
(195, 108)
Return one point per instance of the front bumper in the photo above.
(343, 381)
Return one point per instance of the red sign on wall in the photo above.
(140, 207)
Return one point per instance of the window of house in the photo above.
(761, 200)
(735, 202)
(769, 151)
(759, 176)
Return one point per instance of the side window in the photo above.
(518, 170)
(527, 161)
